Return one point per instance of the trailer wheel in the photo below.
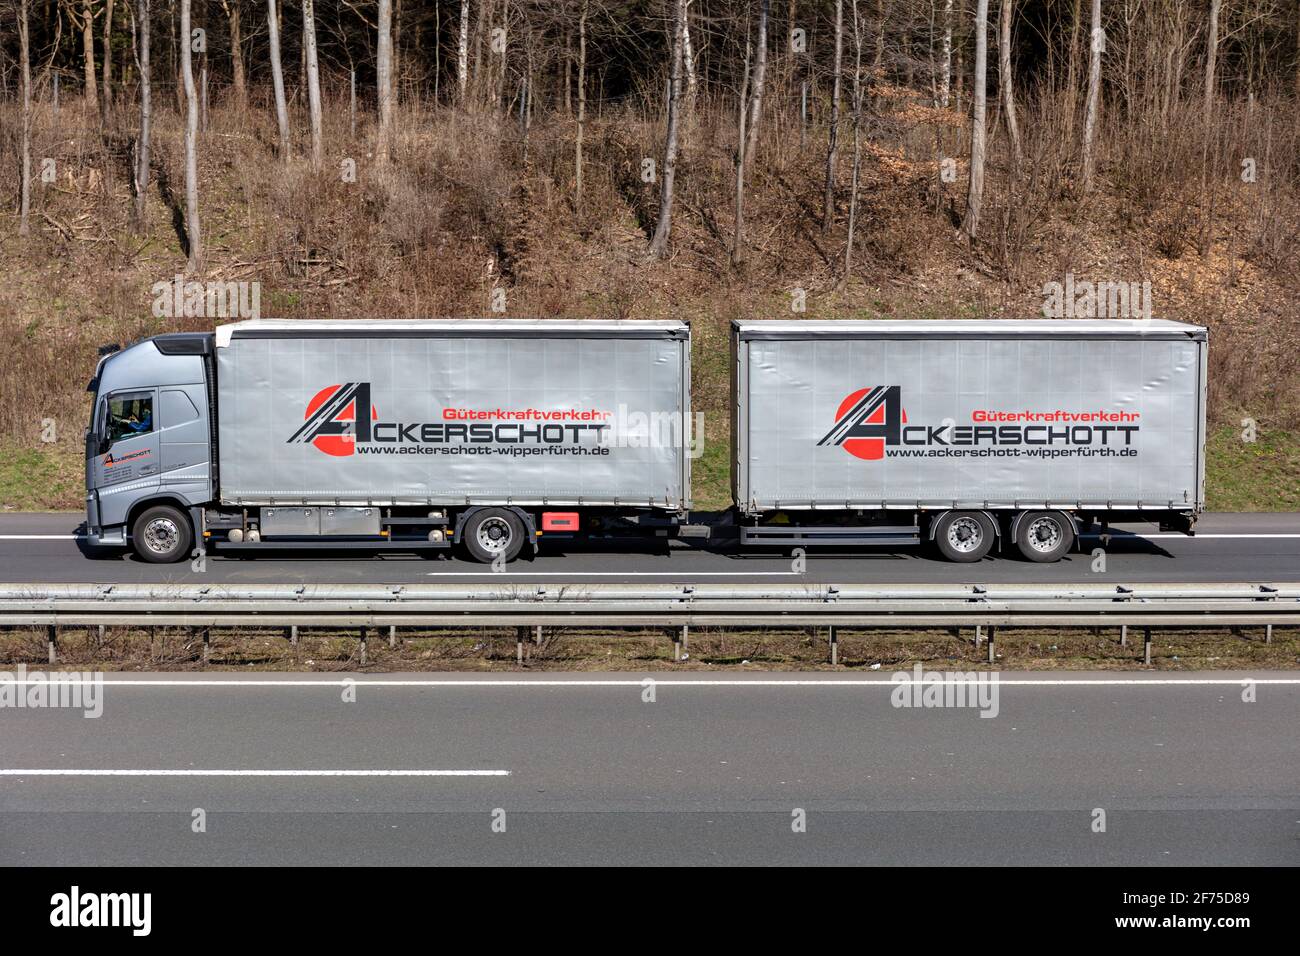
(161, 534)
(1044, 536)
(493, 533)
(964, 536)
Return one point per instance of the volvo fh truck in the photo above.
(405, 435)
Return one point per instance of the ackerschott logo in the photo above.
(871, 423)
(867, 421)
(331, 419)
(333, 425)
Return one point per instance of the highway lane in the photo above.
(710, 771)
(1229, 547)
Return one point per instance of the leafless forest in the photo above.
(710, 159)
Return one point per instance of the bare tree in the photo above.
(833, 136)
(688, 60)
(857, 141)
(313, 81)
(663, 229)
(582, 106)
(945, 65)
(462, 50)
(1006, 82)
(86, 22)
(742, 112)
(277, 77)
(106, 101)
(146, 113)
(25, 69)
(238, 74)
(384, 80)
(193, 232)
(975, 195)
(1096, 43)
(1211, 58)
(760, 74)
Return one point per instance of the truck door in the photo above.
(127, 461)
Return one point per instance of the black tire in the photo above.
(162, 534)
(1044, 536)
(964, 536)
(493, 533)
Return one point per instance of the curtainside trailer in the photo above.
(970, 434)
(389, 435)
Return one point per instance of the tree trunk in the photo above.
(277, 77)
(742, 112)
(945, 66)
(237, 71)
(1211, 58)
(582, 106)
(688, 59)
(106, 101)
(975, 196)
(760, 73)
(384, 80)
(857, 139)
(313, 82)
(88, 55)
(1005, 81)
(833, 139)
(25, 70)
(462, 50)
(663, 229)
(146, 114)
(1096, 41)
(193, 232)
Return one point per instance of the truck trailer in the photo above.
(401, 435)
(411, 435)
(970, 434)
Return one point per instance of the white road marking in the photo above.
(44, 772)
(41, 537)
(677, 682)
(610, 574)
(1122, 535)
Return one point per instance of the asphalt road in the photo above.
(1228, 547)
(586, 771)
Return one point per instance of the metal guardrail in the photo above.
(620, 605)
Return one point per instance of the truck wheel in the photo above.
(964, 536)
(161, 534)
(493, 533)
(1044, 535)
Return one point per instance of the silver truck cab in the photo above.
(149, 446)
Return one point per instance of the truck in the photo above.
(1014, 434)
(970, 436)
(389, 435)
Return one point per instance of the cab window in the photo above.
(130, 414)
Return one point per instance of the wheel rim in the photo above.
(1044, 535)
(965, 535)
(494, 535)
(161, 535)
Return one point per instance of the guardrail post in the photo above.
(835, 646)
(677, 646)
(1123, 635)
(519, 644)
(1146, 645)
(293, 635)
(51, 641)
(993, 633)
(365, 634)
(537, 635)
(979, 633)
(99, 637)
(1268, 633)
(686, 637)
(392, 636)
(207, 644)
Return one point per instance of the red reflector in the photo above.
(559, 521)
